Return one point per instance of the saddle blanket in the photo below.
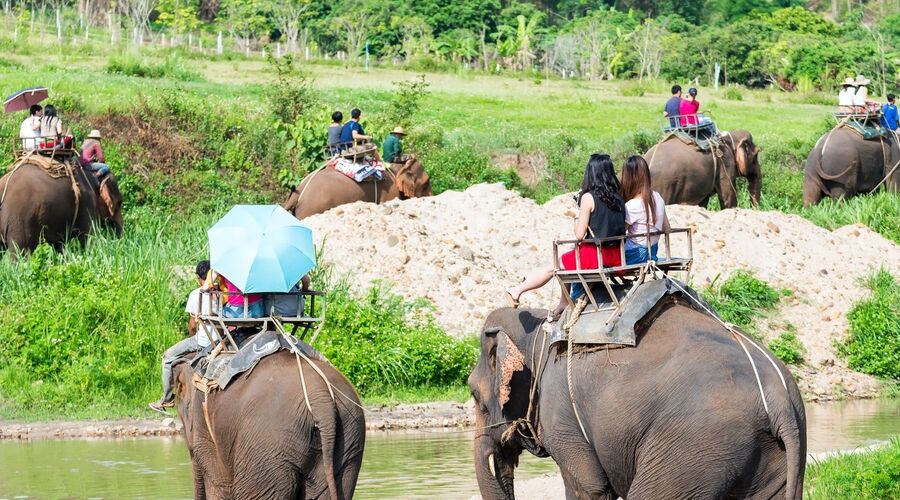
(598, 328)
(357, 171)
(252, 348)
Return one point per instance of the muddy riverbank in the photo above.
(436, 415)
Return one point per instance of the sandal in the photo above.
(160, 407)
(512, 302)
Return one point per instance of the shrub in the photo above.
(741, 297)
(873, 344)
(383, 342)
(788, 348)
(733, 94)
(633, 89)
(132, 65)
(405, 102)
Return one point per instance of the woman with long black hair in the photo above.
(601, 214)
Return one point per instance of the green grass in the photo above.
(873, 343)
(873, 475)
(741, 298)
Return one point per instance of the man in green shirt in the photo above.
(393, 148)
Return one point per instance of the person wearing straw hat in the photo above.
(91, 157)
(392, 147)
(845, 97)
(861, 97)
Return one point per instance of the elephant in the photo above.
(327, 188)
(37, 206)
(680, 415)
(852, 166)
(259, 440)
(682, 174)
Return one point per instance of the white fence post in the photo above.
(219, 44)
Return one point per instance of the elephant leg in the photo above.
(812, 193)
(583, 475)
(199, 485)
(575, 492)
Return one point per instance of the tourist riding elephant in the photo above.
(258, 438)
(327, 188)
(843, 164)
(36, 206)
(682, 174)
(680, 415)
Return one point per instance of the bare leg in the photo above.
(534, 281)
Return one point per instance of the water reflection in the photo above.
(397, 465)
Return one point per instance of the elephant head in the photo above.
(747, 158)
(500, 384)
(109, 203)
(412, 180)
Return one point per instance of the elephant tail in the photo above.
(292, 200)
(793, 448)
(328, 437)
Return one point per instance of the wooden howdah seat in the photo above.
(308, 319)
(617, 283)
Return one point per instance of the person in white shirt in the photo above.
(861, 97)
(199, 339)
(645, 212)
(846, 96)
(31, 127)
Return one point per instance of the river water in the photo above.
(408, 465)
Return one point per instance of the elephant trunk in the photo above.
(119, 223)
(494, 471)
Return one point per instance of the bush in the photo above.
(873, 344)
(740, 298)
(733, 94)
(131, 65)
(383, 342)
(633, 89)
(788, 348)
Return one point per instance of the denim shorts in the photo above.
(638, 254)
(254, 310)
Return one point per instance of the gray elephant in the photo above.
(843, 164)
(679, 415)
(682, 174)
(258, 440)
(37, 206)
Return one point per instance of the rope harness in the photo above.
(52, 167)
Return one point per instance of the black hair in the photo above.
(337, 117)
(355, 113)
(692, 91)
(35, 108)
(49, 111)
(891, 97)
(600, 179)
(676, 89)
(202, 269)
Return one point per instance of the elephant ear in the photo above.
(406, 180)
(510, 360)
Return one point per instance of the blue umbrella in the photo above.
(261, 248)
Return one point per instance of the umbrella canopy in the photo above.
(24, 99)
(261, 248)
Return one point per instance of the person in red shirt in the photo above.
(91, 158)
(689, 108)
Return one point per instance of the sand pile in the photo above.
(459, 250)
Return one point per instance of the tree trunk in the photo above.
(208, 10)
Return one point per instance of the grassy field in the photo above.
(86, 328)
(873, 475)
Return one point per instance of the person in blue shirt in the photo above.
(673, 106)
(353, 131)
(889, 114)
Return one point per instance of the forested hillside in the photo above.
(789, 44)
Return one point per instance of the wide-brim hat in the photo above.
(861, 80)
(398, 131)
(849, 81)
(95, 134)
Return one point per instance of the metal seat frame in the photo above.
(622, 275)
(311, 320)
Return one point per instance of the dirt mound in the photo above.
(459, 250)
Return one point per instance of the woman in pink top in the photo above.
(234, 305)
(689, 108)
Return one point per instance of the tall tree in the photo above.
(287, 15)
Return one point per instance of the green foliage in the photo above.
(872, 475)
(131, 65)
(788, 348)
(292, 94)
(384, 343)
(873, 344)
(878, 211)
(733, 94)
(741, 297)
(633, 89)
(405, 102)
